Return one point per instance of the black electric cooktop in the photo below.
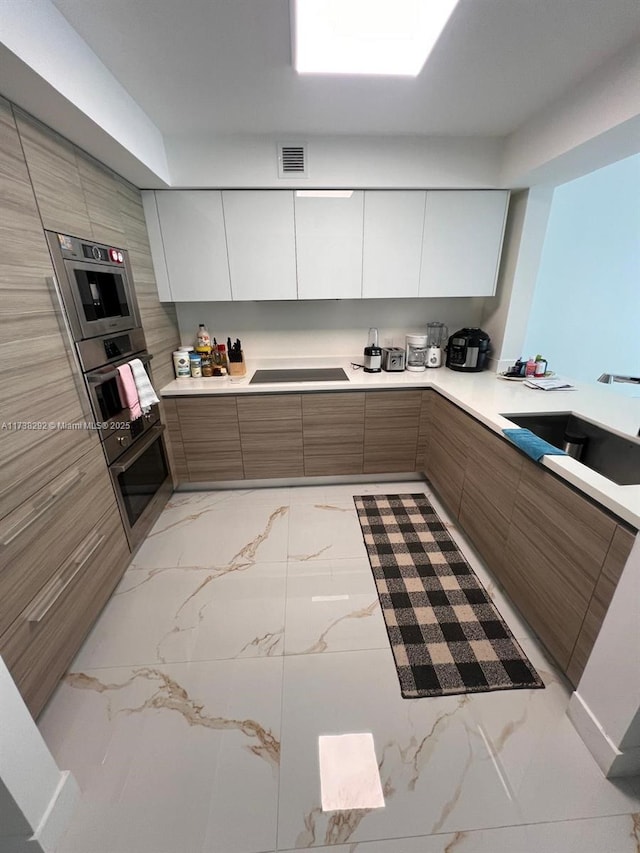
(305, 374)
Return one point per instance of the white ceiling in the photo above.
(224, 66)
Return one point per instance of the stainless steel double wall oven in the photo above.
(95, 285)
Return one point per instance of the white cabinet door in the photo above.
(393, 226)
(261, 243)
(192, 228)
(329, 247)
(463, 232)
(155, 242)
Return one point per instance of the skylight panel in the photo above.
(378, 37)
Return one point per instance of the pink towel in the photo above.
(128, 392)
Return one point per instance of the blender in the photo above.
(437, 335)
(372, 354)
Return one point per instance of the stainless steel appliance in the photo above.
(102, 315)
(372, 354)
(134, 449)
(467, 350)
(416, 352)
(96, 284)
(437, 334)
(392, 359)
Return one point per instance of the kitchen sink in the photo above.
(615, 457)
(299, 374)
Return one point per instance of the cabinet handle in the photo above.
(48, 596)
(42, 505)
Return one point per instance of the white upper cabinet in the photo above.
(329, 246)
(463, 232)
(193, 239)
(393, 226)
(212, 245)
(261, 243)
(157, 249)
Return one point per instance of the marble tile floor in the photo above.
(247, 626)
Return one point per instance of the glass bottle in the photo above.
(222, 355)
(203, 338)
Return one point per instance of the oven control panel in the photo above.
(117, 347)
(72, 247)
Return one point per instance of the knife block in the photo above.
(237, 368)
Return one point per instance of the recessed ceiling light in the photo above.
(383, 37)
(324, 193)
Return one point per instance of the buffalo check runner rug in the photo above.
(445, 633)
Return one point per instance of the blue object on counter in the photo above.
(531, 444)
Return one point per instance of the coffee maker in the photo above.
(416, 352)
(437, 334)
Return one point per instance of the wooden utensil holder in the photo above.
(237, 368)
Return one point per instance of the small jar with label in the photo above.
(207, 369)
(195, 364)
(181, 364)
(540, 366)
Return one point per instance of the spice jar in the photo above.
(195, 363)
(207, 368)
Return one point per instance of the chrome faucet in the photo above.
(608, 378)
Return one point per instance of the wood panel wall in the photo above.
(77, 195)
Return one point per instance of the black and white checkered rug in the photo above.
(445, 633)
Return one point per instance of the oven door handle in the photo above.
(97, 378)
(135, 452)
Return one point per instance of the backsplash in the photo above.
(322, 327)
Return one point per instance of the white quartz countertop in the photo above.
(484, 395)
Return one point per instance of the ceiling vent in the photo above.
(292, 161)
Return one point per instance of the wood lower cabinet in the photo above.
(37, 536)
(42, 641)
(175, 445)
(333, 431)
(447, 452)
(210, 438)
(271, 435)
(427, 402)
(614, 563)
(295, 435)
(555, 550)
(557, 554)
(392, 421)
(491, 479)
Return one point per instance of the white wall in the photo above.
(354, 162)
(605, 708)
(36, 798)
(317, 328)
(505, 315)
(585, 316)
(49, 70)
(595, 123)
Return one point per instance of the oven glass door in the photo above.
(102, 298)
(107, 399)
(104, 392)
(140, 478)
